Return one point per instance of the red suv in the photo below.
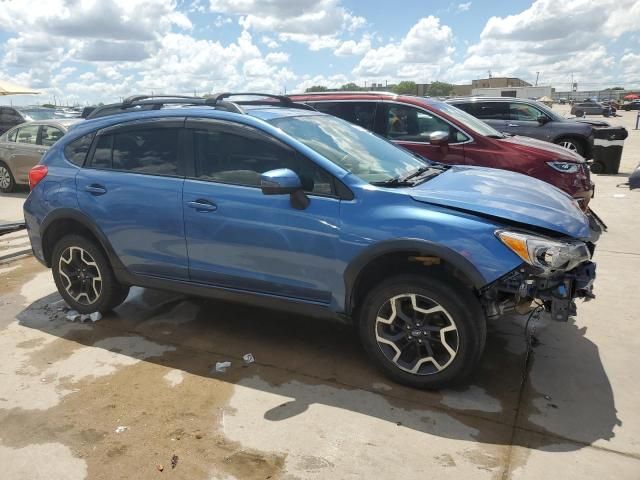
(446, 134)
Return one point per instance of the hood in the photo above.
(505, 195)
(550, 149)
(594, 123)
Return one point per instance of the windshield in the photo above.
(355, 149)
(469, 121)
(38, 114)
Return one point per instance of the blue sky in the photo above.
(87, 51)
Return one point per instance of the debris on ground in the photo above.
(248, 358)
(94, 317)
(221, 367)
(121, 429)
(174, 461)
(72, 315)
(547, 397)
(160, 467)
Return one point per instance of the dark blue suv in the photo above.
(272, 203)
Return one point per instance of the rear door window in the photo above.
(12, 136)
(491, 110)
(148, 150)
(28, 134)
(411, 124)
(358, 113)
(523, 112)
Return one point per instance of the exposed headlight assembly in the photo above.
(545, 253)
(565, 167)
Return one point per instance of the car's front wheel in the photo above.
(84, 277)
(424, 332)
(571, 144)
(7, 182)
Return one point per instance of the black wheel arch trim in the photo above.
(85, 221)
(425, 247)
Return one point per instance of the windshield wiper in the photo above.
(412, 178)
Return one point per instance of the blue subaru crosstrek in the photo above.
(271, 203)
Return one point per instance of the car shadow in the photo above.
(313, 361)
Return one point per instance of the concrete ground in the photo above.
(121, 398)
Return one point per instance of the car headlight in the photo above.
(545, 253)
(565, 167)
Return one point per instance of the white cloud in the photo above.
(269, 42)
(316, 23)
(424, 52)
(277, 57)
(464, 7)
(220, 21)
(352, 48)
(553, 38)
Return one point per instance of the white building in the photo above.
(517, 92)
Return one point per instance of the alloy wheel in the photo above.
(80, 275)
(417, 334)
(5, 177)
(569, 146)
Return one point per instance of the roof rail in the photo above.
(345, 92)
(266, 99)
(217, 101)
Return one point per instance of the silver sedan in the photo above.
(23, 146)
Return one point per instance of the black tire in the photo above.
(572, 144)
(6, 176)
(107, 294)
(579, 113)
(464, 312)
(597, 167)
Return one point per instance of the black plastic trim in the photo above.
(425, 247)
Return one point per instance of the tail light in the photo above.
(36, 174)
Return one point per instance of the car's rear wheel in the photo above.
(84, 277)
(423, 332)
(571, 144)
(7, 182)
(579, 113)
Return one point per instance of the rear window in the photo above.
(76, 151)
(152, 151)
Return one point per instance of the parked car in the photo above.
(632, 105)
(273, 204)
(12, 116)
(444, 133)
(22, 147)
(591, 108)
(531, 119)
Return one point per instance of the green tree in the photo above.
(48, 105)
(405, 87)
(350, 87)
(316, 88)
(440, 89)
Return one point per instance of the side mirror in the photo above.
(439, 138)
(280, 182)
(542, 119)
(283, 181)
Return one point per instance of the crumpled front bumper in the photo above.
(519, 290)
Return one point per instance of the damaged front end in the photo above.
(554, 274)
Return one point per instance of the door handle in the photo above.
(95, 189)
(202, 205)
(512, 125)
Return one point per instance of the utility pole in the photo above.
(537, 76)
